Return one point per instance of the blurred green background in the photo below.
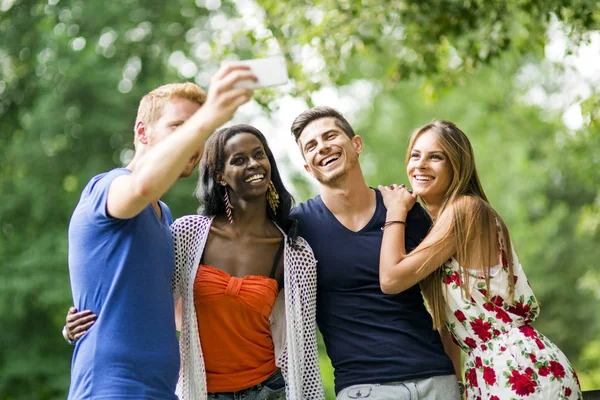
(520, 77)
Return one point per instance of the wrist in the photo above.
(396, 214)
(65, 334)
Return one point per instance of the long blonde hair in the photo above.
(474, 229)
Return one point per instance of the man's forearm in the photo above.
(163, 164)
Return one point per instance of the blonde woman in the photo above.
(470, 275)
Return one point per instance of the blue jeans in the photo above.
(434, 388)
(272, 388)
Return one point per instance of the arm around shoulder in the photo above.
(398, 271)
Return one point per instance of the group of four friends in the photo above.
(248, 279)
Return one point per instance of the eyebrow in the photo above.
(322, 134)
(239, 153)
(430, 152)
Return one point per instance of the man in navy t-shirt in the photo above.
(120, 248)
(381, 346)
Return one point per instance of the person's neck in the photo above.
(349, 195)
(250, 217)
(433, 208)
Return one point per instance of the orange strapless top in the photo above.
(233, 322)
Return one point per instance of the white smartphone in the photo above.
(270, 71)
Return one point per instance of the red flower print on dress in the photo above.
(481, 329)
(533, 358)
(470, 342)
(575, 376)
(478, 362)
(521, 309)
(567, 392)
(471, 376)
(539, 343)
(528, 331)
(544, 371)
(557, 369)
(503, 316)
(460, 316)
(504, 260)
(494, 398)
(483, 292)
(521, 384)
(489, 376)
(489, 306)
(454, 278)
(497, 301)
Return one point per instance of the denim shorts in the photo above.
(272, 388)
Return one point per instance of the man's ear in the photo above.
(357, 143)
(307, 169)
(141, 133)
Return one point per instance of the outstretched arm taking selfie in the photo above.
(162, 164)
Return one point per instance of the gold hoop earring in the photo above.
(228, 206)
(273, 198)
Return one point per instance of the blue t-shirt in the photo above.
(370, 337)
(121, 269)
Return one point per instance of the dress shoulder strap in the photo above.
(277, 258)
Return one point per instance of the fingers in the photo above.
(393, 187)
(79, 331)
(79, 323)
(221, 84)
(227, 67)
(72, 317)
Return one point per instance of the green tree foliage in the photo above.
(72, 73)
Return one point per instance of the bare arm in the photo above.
(163, 164)
(397, 270)
(453, 351)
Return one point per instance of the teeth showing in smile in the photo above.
(329, 159)
(422, 178)
(255, 178)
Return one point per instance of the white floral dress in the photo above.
(506, 358)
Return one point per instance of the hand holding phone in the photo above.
(270, 71)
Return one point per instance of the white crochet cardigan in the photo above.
(292, 320)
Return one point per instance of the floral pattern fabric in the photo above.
(506, 358)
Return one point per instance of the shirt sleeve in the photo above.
(96, 193)
(418, 226)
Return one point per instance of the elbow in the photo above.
(388, 286)
(144, 191)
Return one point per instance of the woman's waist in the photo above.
(502, 338)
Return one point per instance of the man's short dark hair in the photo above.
(316, 113)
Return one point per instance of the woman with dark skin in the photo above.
(232, 262)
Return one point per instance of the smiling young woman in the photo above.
(241, 334)
(470, 275)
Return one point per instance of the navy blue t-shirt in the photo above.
(122, 269)
(370, 337)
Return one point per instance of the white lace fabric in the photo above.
(293, 318)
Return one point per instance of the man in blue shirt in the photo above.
(381, 346)
(120, 248)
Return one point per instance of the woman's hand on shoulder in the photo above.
(397, 199)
